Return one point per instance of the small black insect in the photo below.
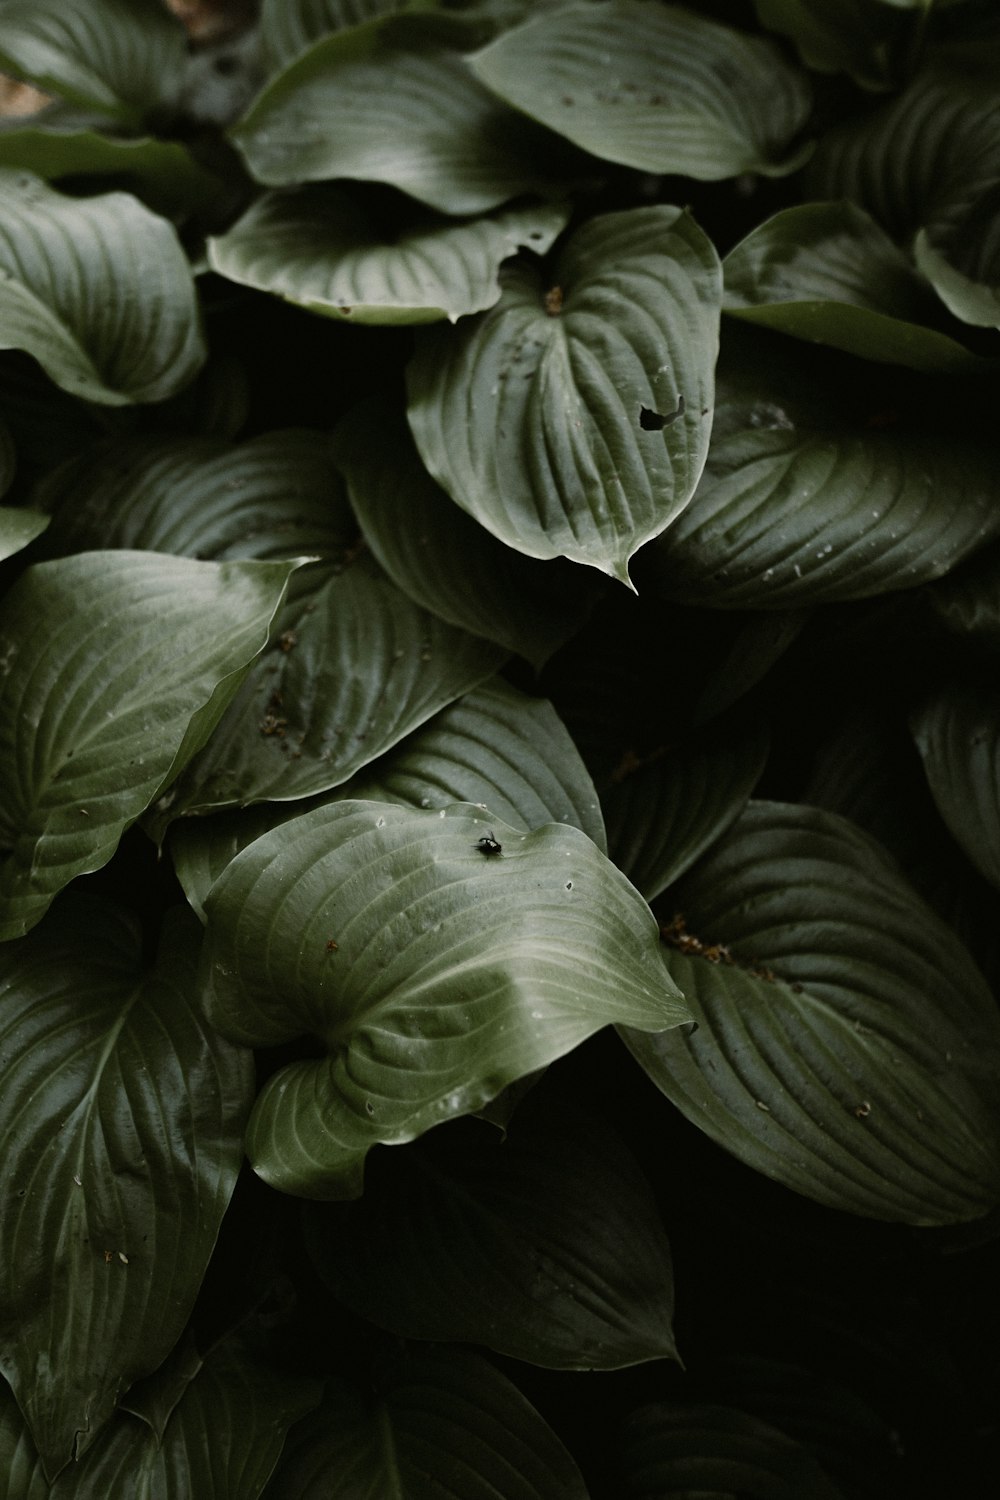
(488, 845)
(655, 421)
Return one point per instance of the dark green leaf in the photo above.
(656, 87)
(530, 415)
(839, 36)
(847, 1046)
(121, 1116)
(434, 974)
(957, 730)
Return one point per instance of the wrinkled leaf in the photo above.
(121, 1118)
(531, 416)
(318, 249)
(98, 290)
(114, 668)
(545, 1245)
(957, 730)
(433, 973)
(846, 1045)
(18, 528)
(656, 87)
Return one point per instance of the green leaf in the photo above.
(99, 291)
(450, 143)
(968, 603)
(826, 272)
(957, 730)
(114, 668)
(439, 1422)
(18, 527)
(452, 973)
(575, 422)
(960, 256)
(276, 496)
(663, 815)
(847, 1045)
(545, 1244)
(123, 57)
(353, 666)
(290, 27)
(20, 1467)
(712, 1451)
(811, 495)
(655, 87)
(839, 36)
(121, 1115)
(442, 558)
(318, 249)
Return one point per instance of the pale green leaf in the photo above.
(121, 1115)
(433, 973)
(290, 27)
(653, 86)
(846, 1046)
(317, 248)
(18, 527)
(98, 290)
(574, 421)
(114, 668)
(957, 730)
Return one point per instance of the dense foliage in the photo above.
(500, 778)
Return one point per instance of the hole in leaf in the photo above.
(655, 421)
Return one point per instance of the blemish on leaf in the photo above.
(863, 1110)
(554, 301)
(655, 421)
(287, 639)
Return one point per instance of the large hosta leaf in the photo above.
(319, 249)
(434, 972)
(123, 57)
(18, 528)
(809, 498)
(121, 1116)
(444, 559)
(114, 668)
(957, 730)
(545, 1244)
(839, 36)
(846, 1045)
(828, 273)
(353, 666)
(574, 422)
(449, 142)
(290, 27)
(653, 86)
(429, 1423)
(98, 290)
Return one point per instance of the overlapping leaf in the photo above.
(826, 272)
(114, 668)
(961, 258)
(656, 87)
(846, 1045)
(433, 974)
(574, 421)
(121, 1118)
(957, 730)
(444, 559)
(839, 36)
(123, 57)
(450, 143)
(444, 1418)
(98, 290)
(18, 527)
(809, 498)
(319, 249)
(545, 1244)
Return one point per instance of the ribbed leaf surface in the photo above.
(574, 421)
(434, 972)
(290, 27)
(318, 249)
(121, 1115)
(98, 290)
(846, 1045)
(957, 731)
(656, 87)
(114, 668)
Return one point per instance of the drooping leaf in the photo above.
(545, 1244)
(656, 87)
(121, 1115)
(449, 142)
(531, 416)
(957, 730)
(114, 668)
(122, 57)
(815, 492)
(858, 37)
(443, 558)
(439, 1422)
(98, 290)
(317, 248)
(434, 972)
(846, 1045)
(826, 272)
(18, 527)
(663, 815)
